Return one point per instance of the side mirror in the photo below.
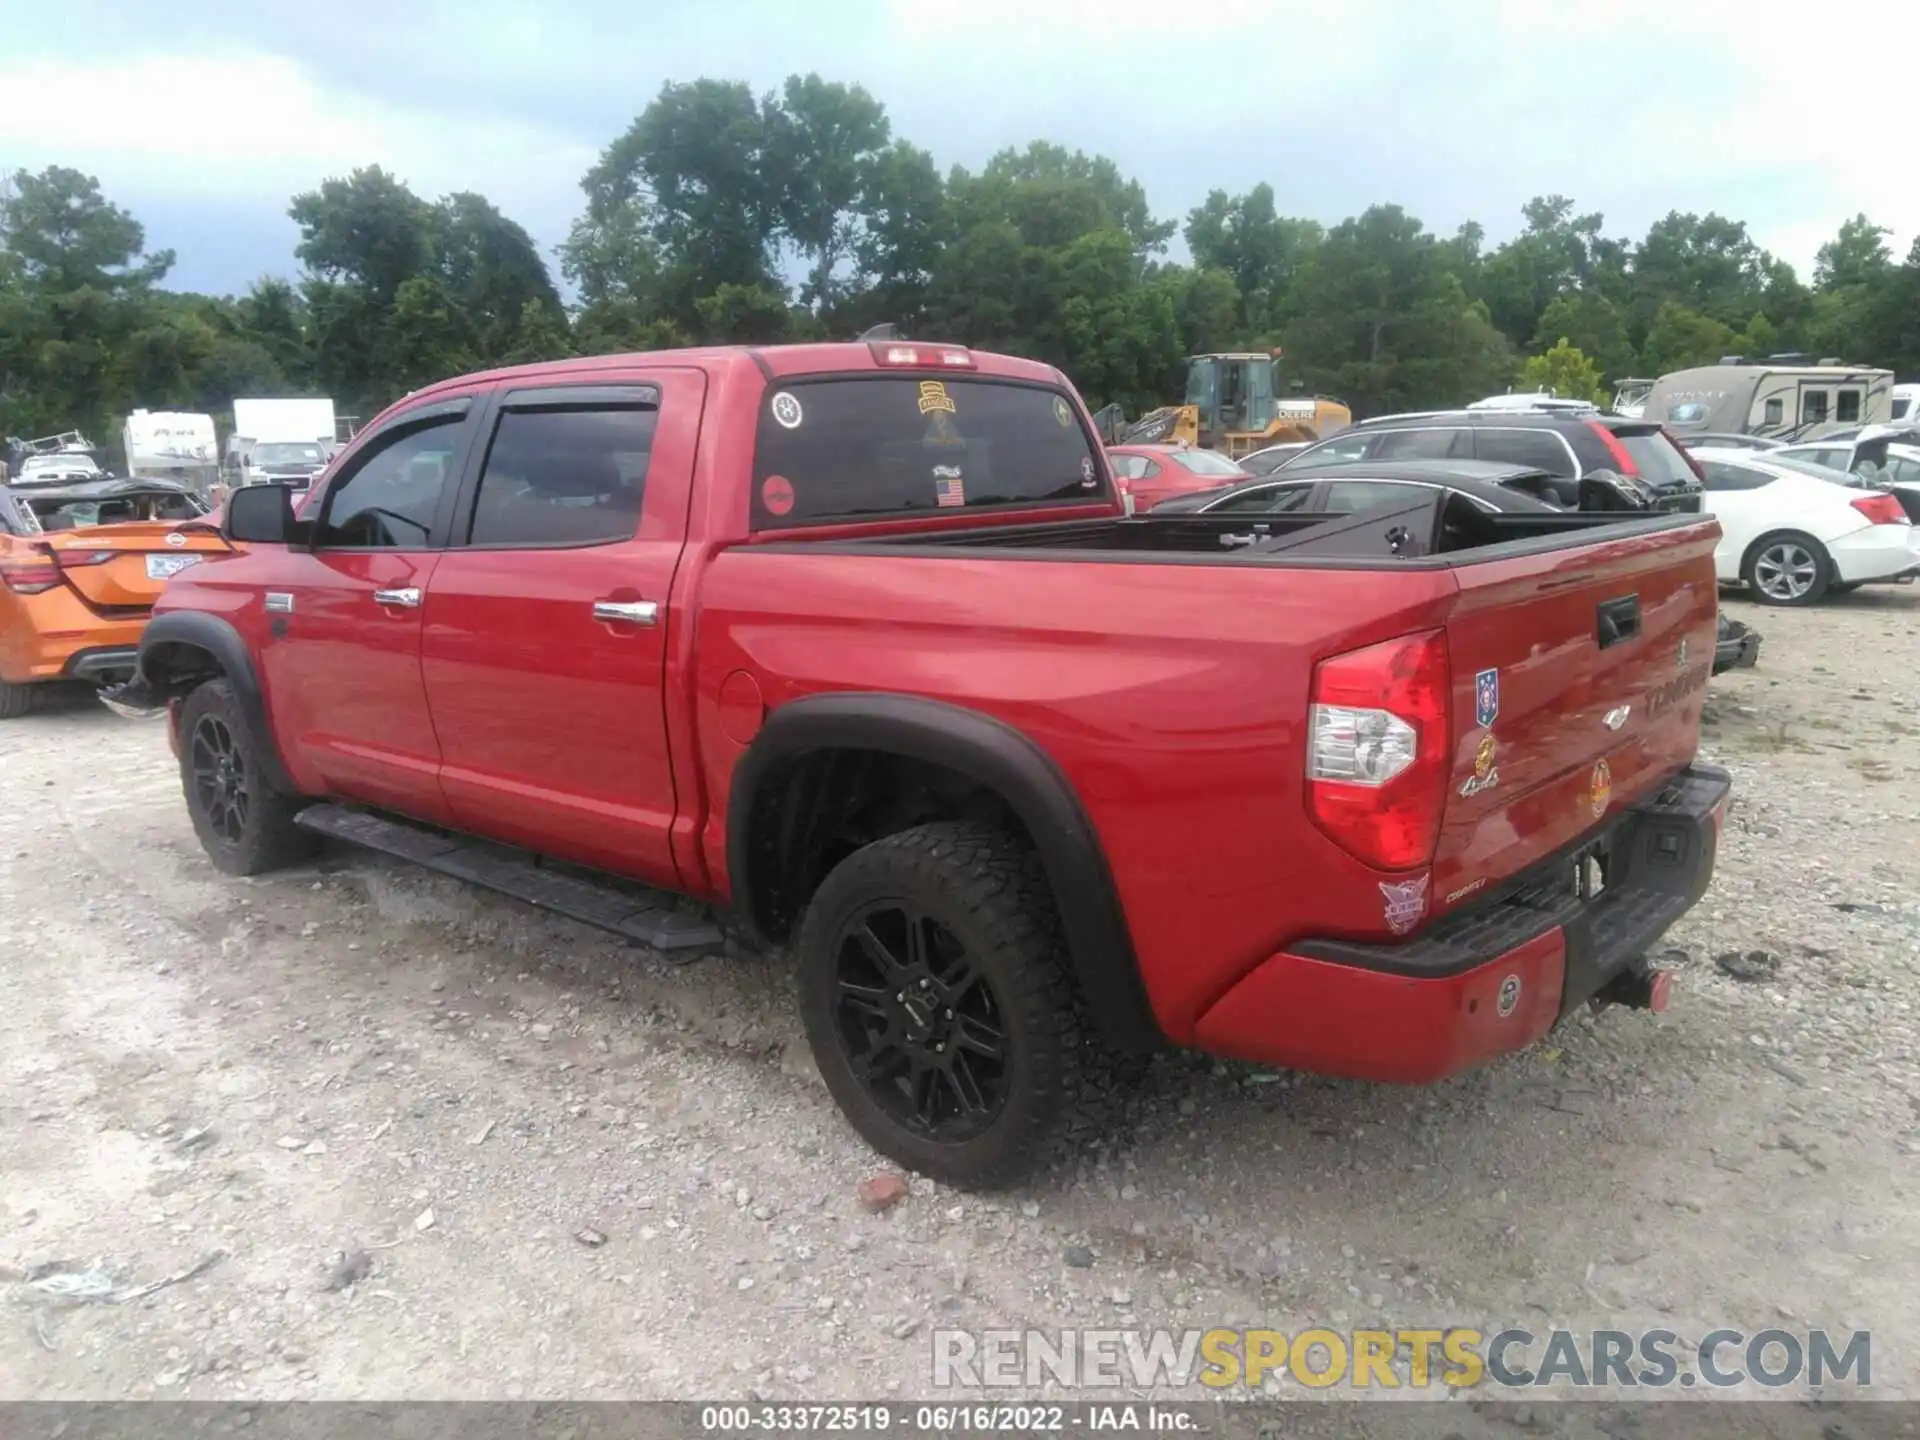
(260, 515)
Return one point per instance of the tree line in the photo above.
(725, 216)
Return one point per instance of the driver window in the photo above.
(388, 502)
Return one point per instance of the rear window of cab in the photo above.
(885, 447)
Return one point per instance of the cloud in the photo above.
(1461, 111)
(228, 139)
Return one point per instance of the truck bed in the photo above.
(1419, 534)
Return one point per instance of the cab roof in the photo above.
(774, 362)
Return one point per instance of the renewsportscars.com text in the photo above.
(1402, 1359)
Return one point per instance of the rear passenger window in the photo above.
(885, 446)
(1537, 449)
(1424, 445)
(1722, 476)
(572, 476)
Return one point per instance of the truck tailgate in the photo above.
(1578, 677)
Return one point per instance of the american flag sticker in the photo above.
(948, 488)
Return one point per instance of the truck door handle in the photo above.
(406, 599)
(1617, 620)
(630, 612)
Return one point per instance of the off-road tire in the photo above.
(17, 700)
(1823, 571)
(987, 889)
(266, 839)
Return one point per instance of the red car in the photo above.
(850, 649)
(1152, 473)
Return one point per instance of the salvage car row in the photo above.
(1798, 522)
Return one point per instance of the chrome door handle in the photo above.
(631, 612)
(407, 599)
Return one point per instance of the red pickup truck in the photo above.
(851, 648)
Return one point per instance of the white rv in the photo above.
(1906, 405)
(172, 445)
(1785, 397)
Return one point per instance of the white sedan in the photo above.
(1791, 537)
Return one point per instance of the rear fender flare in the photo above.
(1002, 760)
(163, 677)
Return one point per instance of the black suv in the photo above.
(1566, 446)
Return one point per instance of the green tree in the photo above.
(1681, 338)
(493, 271)
(1262, 251)
(905, 224)
(824, 143)
(1559, 253)
(1386, 325)
(1564, 371)
(1592, 324)
(80, 326)
(1706, 264)
(698, 162)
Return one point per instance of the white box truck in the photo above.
(283, 442)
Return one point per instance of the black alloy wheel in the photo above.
(219, 778)
(920, 1023)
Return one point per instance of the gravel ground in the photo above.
(561, 1169)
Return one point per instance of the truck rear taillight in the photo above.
(29, 575)
(1377, 749)
(1882, 509)
(1622, 460)
(898, 354)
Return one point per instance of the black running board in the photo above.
(651, 917)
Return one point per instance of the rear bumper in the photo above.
(103, 664)
(1489, 980)
(1878, 552)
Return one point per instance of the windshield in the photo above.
(284, 453)
(1207, 462)
(58, 465)
(1807, 467)
(1657, 458)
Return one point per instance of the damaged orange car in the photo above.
(81, 563)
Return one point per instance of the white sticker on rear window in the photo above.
(786, 409)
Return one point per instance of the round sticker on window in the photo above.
(1061, 413)
(776, 494)
(786, 409)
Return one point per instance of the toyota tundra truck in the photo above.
(852, 650)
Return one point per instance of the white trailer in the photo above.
(172, 445)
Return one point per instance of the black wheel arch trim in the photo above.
(998, 757)
(219, 639)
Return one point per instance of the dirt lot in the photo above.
(575, 1171)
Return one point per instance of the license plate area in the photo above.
(161, 567)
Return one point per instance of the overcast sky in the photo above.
(206, 122)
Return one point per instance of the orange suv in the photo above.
(81, 562)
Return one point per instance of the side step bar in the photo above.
(651, 917)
